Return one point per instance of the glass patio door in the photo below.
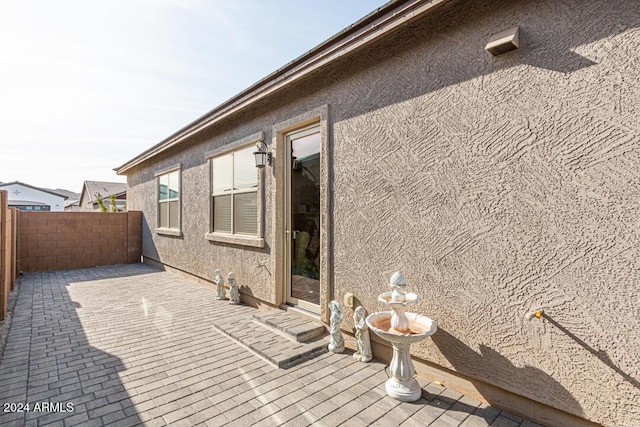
(303, 218)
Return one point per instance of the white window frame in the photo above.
(233, 192)
(168, 230)
(256, 240)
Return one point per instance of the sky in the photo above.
(87, 85)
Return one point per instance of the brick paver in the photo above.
(130, 345)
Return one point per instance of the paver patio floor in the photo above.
(130, 345)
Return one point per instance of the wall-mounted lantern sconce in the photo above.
(263, 157)
(504, 41)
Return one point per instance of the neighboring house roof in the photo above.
(95, 189)
(371, 28)
(35, 188)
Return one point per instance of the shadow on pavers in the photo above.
(48, 363)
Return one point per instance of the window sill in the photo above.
(235, 239)
(169, 232)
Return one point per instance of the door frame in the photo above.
(319, 116)
(288, 215)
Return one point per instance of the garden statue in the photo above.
(363, 353)
(234, 292)
(336, 340)
(219, 281)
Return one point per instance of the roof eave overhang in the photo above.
(367, 30)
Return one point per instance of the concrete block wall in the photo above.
(68, 240)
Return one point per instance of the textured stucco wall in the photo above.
(508, 184)
(498, 185)
(192, 252)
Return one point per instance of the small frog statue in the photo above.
(219, 281)
(336, 340)
(363, 354)
(234, 292)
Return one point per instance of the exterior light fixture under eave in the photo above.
(262, 156)
(504, 41)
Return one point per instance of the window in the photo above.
(169, 200)
(234, 193)
(31, 207)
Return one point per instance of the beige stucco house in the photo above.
(499, 184)
(92, 190)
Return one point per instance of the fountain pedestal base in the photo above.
(402, 385)
(405, 391)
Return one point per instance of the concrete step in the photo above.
(299, 328)
(272, 344)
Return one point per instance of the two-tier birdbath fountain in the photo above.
(401, 329)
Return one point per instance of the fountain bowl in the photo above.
(386, 299)
(420, 327)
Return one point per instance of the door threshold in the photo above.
(302, 311)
